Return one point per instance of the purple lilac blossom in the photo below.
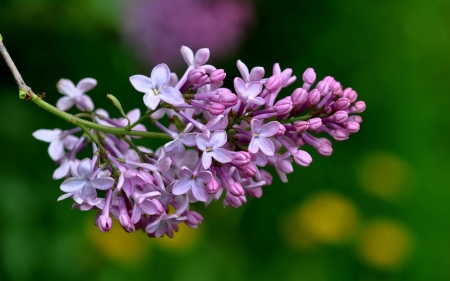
(221, 142)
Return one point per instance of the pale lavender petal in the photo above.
(239, 86)
(266, 146)
(189, 139)
(142, 83)
(136, 214)
(61, 171)
(243, 69)
(257, 101)
(202, 141)
(177, 152)
(134, 115)
(199, 191)
(182, 186)
(46, 135)
(201, 57)
(253, 90)
(207, 159)
(204, 176)
(269, 129)
(152, 227)
(86, 84)
(72, 184)
(85, 168)
(160, 75)
(84, 102)
(140, 128)
(88, 193)
(152, 207)
(218, 139)
(171, 95)
(188, 55)
(257, 73)
(222, 155)
(64, 196)
(253, 146)
(185, 172)
(65, 103)
(102, 183)
(151, 100)
(285, 167)
(56, 150)
(65, 86)
(70, 141)
(256, 125)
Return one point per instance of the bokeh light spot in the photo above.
(119, 245)
(385, 244)
(383, 174)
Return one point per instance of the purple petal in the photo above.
(84, 102)
(72, 184)
(243, 69)
(102, 183)
(86, 84)
(269, 129)
(61, 171)
(178, 151)
(189, 139)
(46, 135)
(171, 95)
(64, 196)
(160, 75)
(239, 86)
(201, 57)
(188, 55)
(202, 141)
(204, 176)
(257, 101)
(218, 139)
(256, 74)
(182, 186)
(151, 100)
(266, 146)
(199, 191)
(152, 227)
(253, 90)
(134, 115)
(142, 83)
(221, 155)
(256, 125)
(65, 86)
(65, 103)
(253, 146)
(85, 168)
(185, 172)
(136, 214)
(88, 193)
(56, 150)
(70, 141)
(207, 159)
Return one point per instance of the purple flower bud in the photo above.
(339, 134)
(360, 106)
(228, 99)
(236, 189)
(281, 130)
(355, 118)
(216, 108)
(352, 127)
(350, 94)
(340, 116)
(331, 82)
(299, 96)
(341, 104)
(301, 126)
(284, 106)
(197, 76)
(124, 218)
(235, 201)
(213, 186)
(309, 76)
(266, 176)
(337, 91)
(255, 192)
(314, 96)
(325, 149)
(322, 87)
(314, 123)
(217, 76)
(273, 83)
(240, 158)
(249, 170)
(194, 219)
(302, 158)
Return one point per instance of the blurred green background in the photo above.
(376, 209)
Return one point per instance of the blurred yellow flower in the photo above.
(184, 240)
(384, 174)
(384, 244)
(327, 218)
(119, 245)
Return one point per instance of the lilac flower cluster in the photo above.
(220, 141)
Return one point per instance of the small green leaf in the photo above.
(22, 94)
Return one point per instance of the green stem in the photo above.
(300, 118)
(130, 143)
(140, 120)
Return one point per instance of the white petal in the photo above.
(86, 84)
(188, 55)
(160, 75)
(207, 159)
(218, 139)
(72, 184)
(102, 183)
(171, 95)
(65, 103)
(46, 135)
(222, 155)
(142, 83)
(56, 150)
(65, 86)
(201, 57)
(151, 100)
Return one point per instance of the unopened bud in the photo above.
(284, 106)
(216, 108)
(217, 76)
(273, 83)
